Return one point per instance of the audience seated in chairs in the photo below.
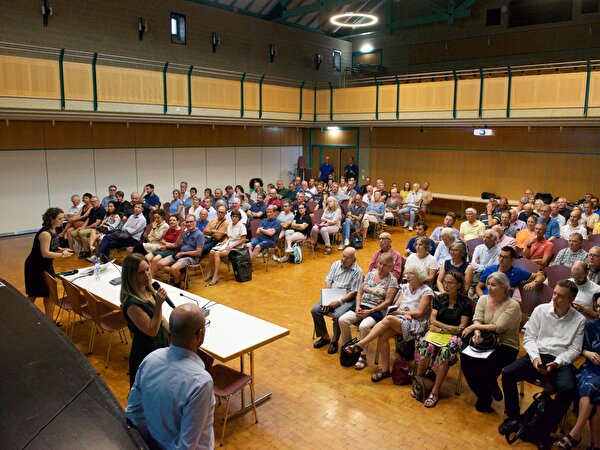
(392, 205)
(424, 259)
(129, 236)
(451, 313)
(236, 236)
(343, 274)
(152, 240)
(75, 216)
(81, 234)
(266, 234)
(550, 355)
(449, 220)
(442, 251)
(385, 248)
(191, 242)
(167, 245)
(411, 205)
(420, 230)
(539, 249)
(409, 320)
(457, 263)
(374, 296)
(176, 205)
(471, 228)
(109, 225)
(525, 235)
(329, 225)
(485, 254)
(574, 252)
(498, 313)
(355, 220)
(375, 212)
(586, 290)
(298, 230)
(216, 230)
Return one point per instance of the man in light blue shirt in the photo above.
(172, 402)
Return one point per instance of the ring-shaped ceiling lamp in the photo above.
(371, 19)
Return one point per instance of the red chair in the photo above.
(311, 205)
(471, 244)
(559, 244)
(165, 208)
(594, 238)
(317, 216)
(226, 383)
(556, 273)
(527, 264)
(587, 246)
(531, 299)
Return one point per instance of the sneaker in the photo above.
(346, 242)
(276, 259)
(410, 228)
(284, 259)
(341, 247)
(92, 258)
(405, 225)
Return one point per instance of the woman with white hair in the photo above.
(330, 224)
(495, 314)
(409, 319)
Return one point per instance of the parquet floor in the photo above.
(316, 403)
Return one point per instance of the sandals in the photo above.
(431, 401)
(418, 389)
(327, 251)
(380, 376)
(361, 363)
(354, 348)
(567, 442)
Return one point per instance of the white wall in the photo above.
(31, 181)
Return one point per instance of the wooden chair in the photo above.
(556, 273)
(106, 318)
(191, 270)
(226, 383)
(527, 264)
(78, 304)
(62, 303)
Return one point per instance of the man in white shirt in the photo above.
(584, 302)
(573, 226)
(236, 204)
(172, 401)
(553, 340)
(485, 254)
(555, 215)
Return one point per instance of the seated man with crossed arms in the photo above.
(267, 234)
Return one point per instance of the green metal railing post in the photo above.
(455, 94)
(480, 93)
(165, 102)
(189, 82)
(376, 99)
(508, 92)
(260, 83)
(94, 81)
(397, 97)
(330, 101)
(587, 89)
(242, 94)
(315, 103)
(61, 57)
(300, 112)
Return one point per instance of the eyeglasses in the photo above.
(189, 222)
(448, 282)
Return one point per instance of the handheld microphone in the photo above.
(206, 311)
(156, 286)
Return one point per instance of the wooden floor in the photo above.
(316, 403)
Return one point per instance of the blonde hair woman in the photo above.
(330, 224)
(142, 307)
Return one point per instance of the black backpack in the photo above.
(535, 423)
(241, 264)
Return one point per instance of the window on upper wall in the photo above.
(590, 6)
(537, 12)
(493, 17)
(337, 60)
(177, 26)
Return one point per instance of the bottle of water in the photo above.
(97, 269)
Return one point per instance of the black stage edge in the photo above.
(50, 395)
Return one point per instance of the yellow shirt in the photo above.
(596, 228)
(472, 231)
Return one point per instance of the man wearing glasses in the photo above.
(515, 274)
(385, 246)
(171, 402)
(111, 197)
(191, 242)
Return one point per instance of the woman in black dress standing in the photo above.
(142, 307)
(45, 248)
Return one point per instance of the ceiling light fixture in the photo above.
(371, 19)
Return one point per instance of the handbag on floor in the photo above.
(535, 423)
(349, 359)
(401, 373)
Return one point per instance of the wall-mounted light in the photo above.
(142, 28)
(318, 60)
(272, 52)
(366, 48)
(214, 41)
(46, 12)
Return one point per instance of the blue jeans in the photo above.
(349, 225)
(412, 210)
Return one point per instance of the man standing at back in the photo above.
(172, 401)
(325, 170)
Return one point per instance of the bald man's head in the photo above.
(187, 325)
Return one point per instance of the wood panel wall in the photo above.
(546, 159)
